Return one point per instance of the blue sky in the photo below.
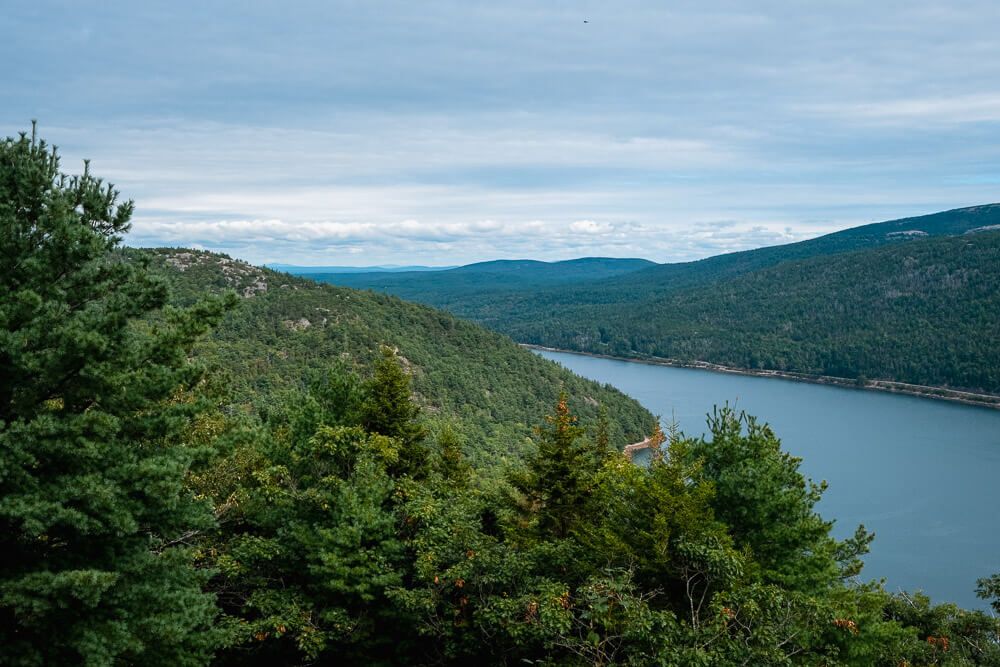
(450, 132)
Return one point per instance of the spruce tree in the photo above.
(94, 514)
(388, 409)
(560, 474)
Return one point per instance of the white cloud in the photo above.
(456, 131)
(590, 227)
(975, 108)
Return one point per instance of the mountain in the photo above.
(946, 223)
(478, 281)
(817, 314)
(925, 312)
(287, 330)
(388, 268)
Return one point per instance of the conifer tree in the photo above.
(602, 436)
(451, 462)
(770, 506)
(388, 409)
(560, 473)
(94, 515)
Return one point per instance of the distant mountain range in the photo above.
(483, 279)
(387, 268)
(913, 300)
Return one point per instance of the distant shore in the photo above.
(940, 393)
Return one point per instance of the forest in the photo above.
(913, 300)
(200, 465)
(288, 334)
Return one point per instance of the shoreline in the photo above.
(922, 391)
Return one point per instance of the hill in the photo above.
(820, 313)
(924, 312)
(478, 282)
(945, 223)
(287, 330)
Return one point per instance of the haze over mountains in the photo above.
(911, 300)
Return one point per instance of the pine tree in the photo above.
(93, 509)
(769, 505)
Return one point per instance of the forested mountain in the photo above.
(925, 312)
(909, 300)
(479, 282)
(286, 330)
(945, 223)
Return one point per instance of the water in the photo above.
(923, 474)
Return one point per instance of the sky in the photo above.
(441, 133)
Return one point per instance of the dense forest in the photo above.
(911, 300)
(926, 312)
(183, 481)
(286, 334)
(483, 280)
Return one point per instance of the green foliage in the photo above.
(386, 408)
(316, 515)
(945, 634)
(767, 504)
(287, 333)
(988, 588)
(559, 474)
(94, 514)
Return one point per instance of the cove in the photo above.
(924, 475)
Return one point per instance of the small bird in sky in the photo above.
(586, 21)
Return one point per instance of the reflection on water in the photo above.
(923, 474)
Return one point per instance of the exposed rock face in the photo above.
(256, 287)
(181, 261)
(987, 228)
(247, 280)
(300, 324)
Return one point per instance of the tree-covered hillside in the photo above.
(925, 312)
(910, 300)
(286, 331)
(480, 282)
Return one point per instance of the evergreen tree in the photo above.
(388, 409)
(560, 474)
(770, 507)
(94, 515)
(602, 436)
(451, 463)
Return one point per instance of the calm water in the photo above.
(923, 474)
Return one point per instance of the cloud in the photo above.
(448, 131)
(975, 108)
(590, 227)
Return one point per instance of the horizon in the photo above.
(343, 134)
(442, 267)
